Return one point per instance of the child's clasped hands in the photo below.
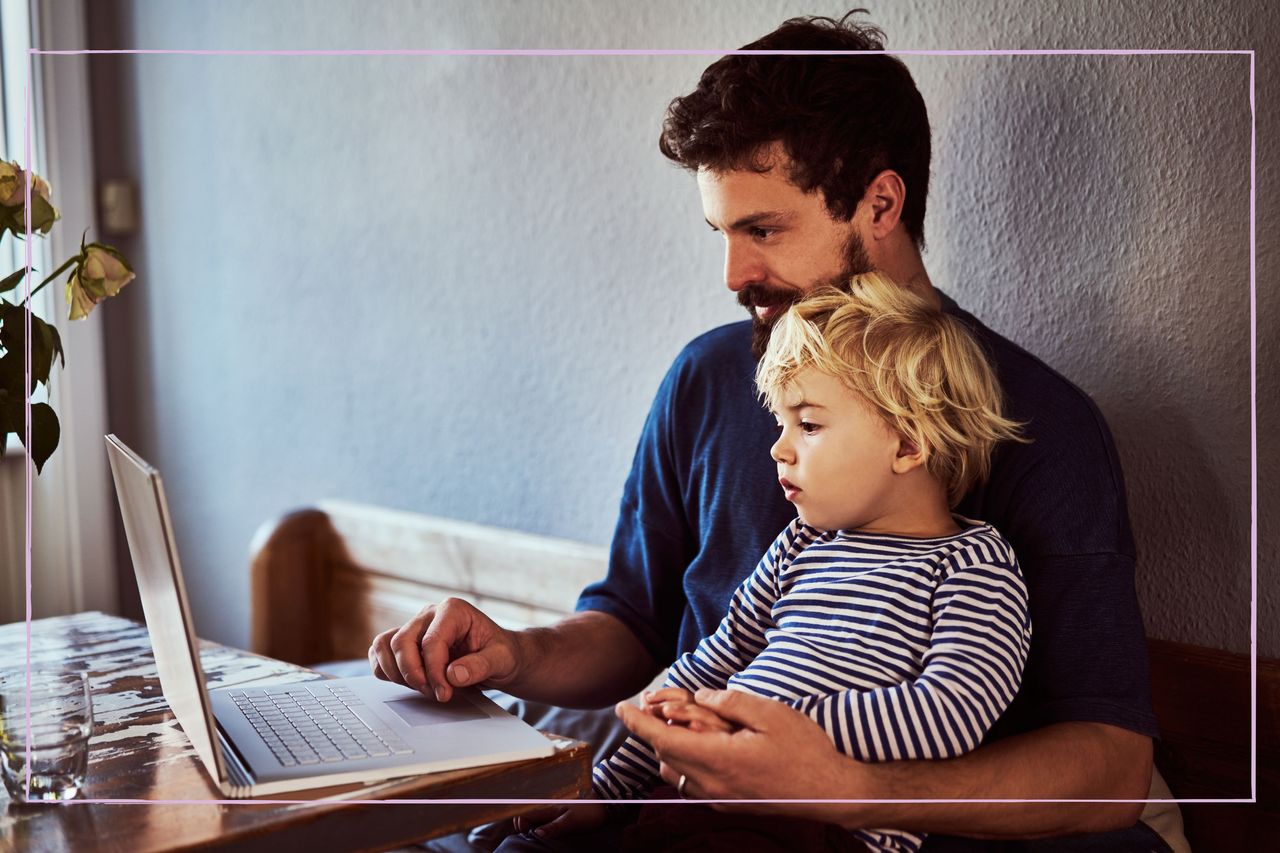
(673, 704)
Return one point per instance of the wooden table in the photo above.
(139, 752)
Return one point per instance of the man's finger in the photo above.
(563, 825)
(689, 751)
(383, 660)
(745, 709)
(477, 667)
(697, 717)
(642, 724)
(404, 649)
(451, 623)
(536, 818)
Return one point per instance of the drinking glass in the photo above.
(47, 759)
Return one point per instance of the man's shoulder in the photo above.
(718, 359)
(724, 344)
(1061, 492)
(1033, 391)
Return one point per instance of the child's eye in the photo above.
(809, 428)
(778, 426)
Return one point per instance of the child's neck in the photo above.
(919, 527)
(920, 510)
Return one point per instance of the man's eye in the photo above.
(761, 233)
(809, 428)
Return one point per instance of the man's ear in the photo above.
(885, 196)
(910, 455)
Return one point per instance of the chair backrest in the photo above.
(326, 579)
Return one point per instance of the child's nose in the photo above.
(781, 451)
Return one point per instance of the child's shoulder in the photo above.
(981, 544)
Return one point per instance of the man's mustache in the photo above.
(760, 296)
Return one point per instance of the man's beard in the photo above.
(761, 295)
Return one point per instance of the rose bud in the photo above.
(100, 274)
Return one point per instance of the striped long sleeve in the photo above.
(632, 771)
(977, 648)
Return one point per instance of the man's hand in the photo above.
(554, 821)
(744, 759)
(1064, 761)
(447, 645)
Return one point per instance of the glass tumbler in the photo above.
(46, 718)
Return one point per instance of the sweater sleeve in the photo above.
(971, 670)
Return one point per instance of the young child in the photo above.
(898, 627)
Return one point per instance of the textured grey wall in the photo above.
(452, 284)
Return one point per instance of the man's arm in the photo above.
(587, 660)
(1063, 761)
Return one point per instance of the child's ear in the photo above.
(910, 455)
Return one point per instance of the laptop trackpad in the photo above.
(415, 711)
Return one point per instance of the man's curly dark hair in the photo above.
(841, 119)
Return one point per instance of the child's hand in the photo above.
(554, 821)
(657, 700)
(696, 717)
(677, 707)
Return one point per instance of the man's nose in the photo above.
(742, 265)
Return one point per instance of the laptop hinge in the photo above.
(240, 780)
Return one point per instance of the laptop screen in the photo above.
(164, 598)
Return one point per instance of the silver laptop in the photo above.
(267, 739)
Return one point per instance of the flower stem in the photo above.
(55, 274)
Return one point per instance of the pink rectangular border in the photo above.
(1253, 369)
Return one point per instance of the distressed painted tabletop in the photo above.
(139, 753)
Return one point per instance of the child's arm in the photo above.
(632, 771)
(741, 635)
(977, 648)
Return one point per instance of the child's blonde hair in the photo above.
(920, 368)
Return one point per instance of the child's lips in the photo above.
(789, 489)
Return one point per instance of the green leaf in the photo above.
(57, 343)
(5, 428)
(46, 343)
(12, 338)
(13, 324)
(13, 375)
(42, 349)
(11, 415)
(45, 433)
(45, 430)
(12, 281)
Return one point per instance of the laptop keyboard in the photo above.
(316, 724)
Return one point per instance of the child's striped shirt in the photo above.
(900, 648)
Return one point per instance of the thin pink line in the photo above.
(460, 801)
(26, 372)
(1253, 433)
(1253, 649)
(636, 52)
